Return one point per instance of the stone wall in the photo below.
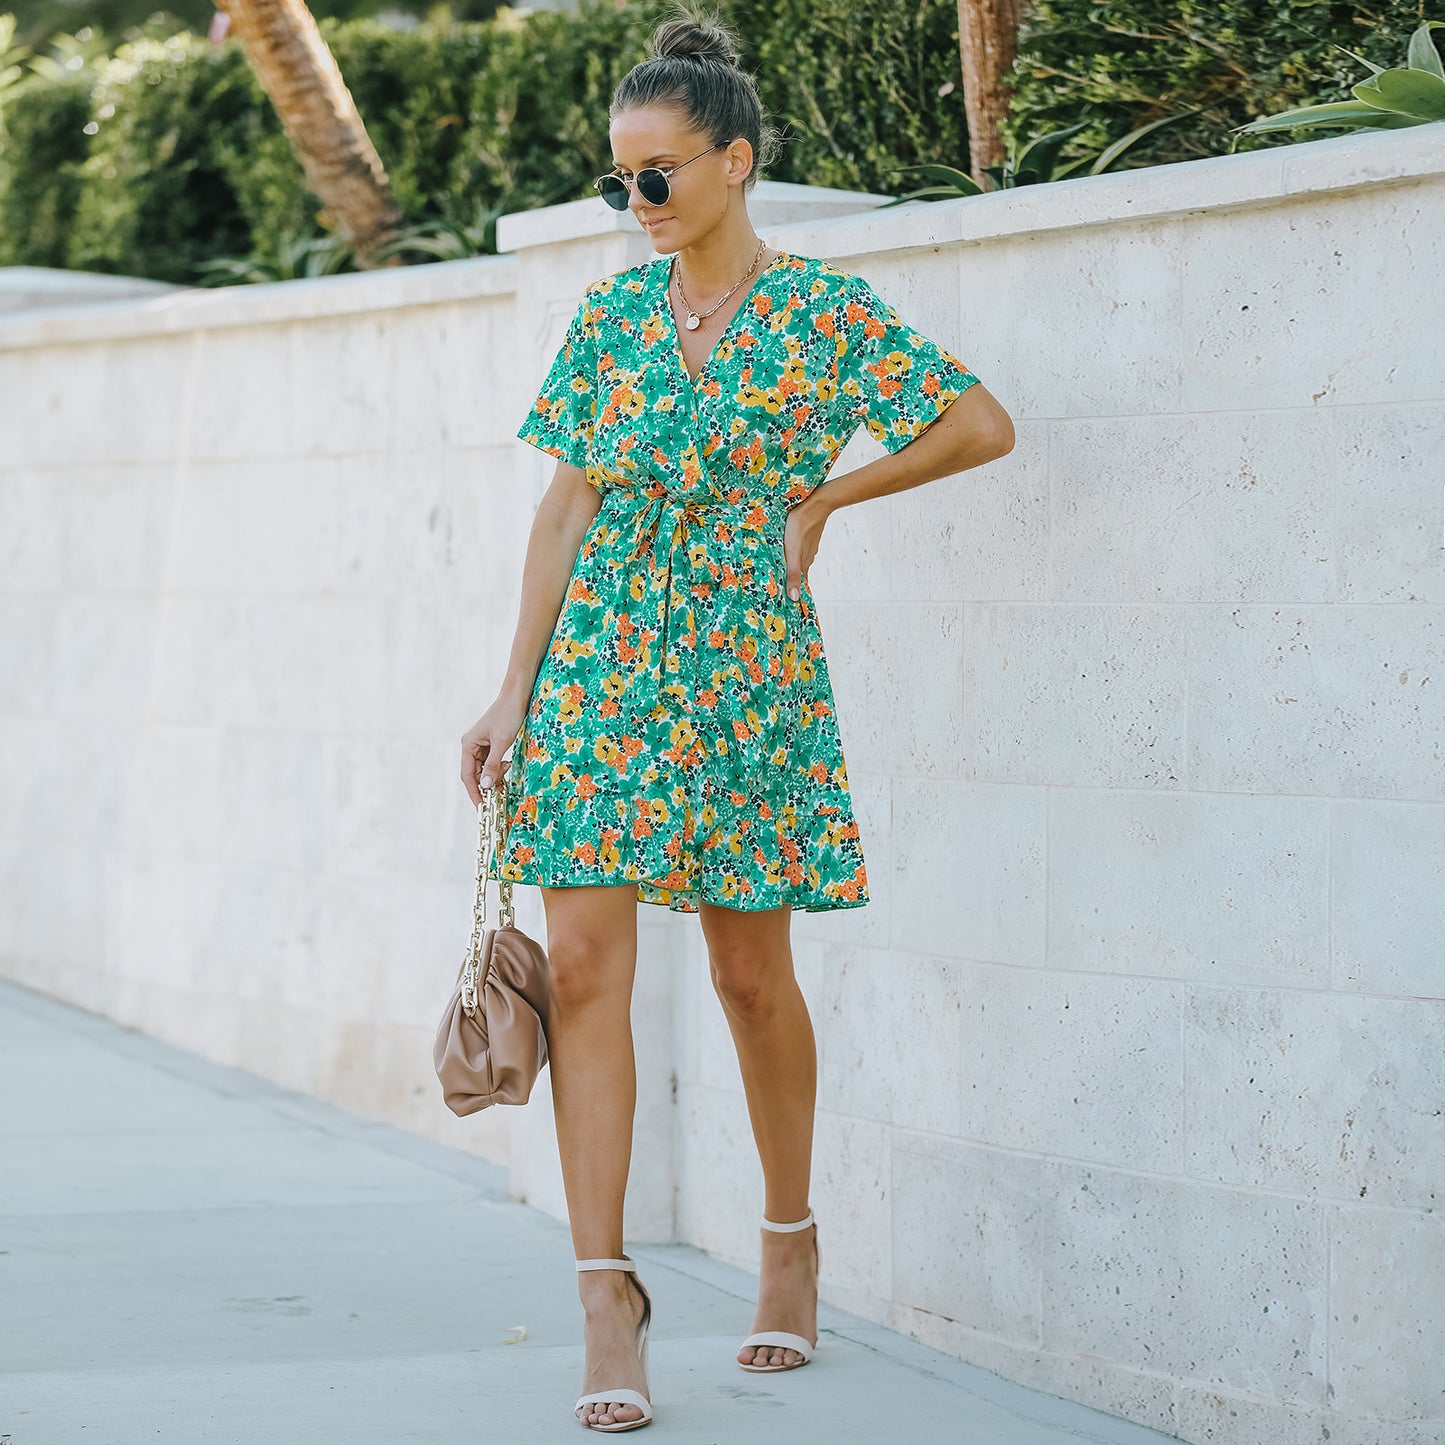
(1131, 1084)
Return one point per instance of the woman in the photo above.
(681, 746)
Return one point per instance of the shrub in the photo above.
(1120, 64)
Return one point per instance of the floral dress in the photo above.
(681, 734)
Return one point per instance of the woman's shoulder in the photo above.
(619, 285)
(825, 285)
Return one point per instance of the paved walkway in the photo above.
(190, 1254)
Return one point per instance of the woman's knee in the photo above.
(591, 946)
(750, 985)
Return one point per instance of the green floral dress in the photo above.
(681, 734)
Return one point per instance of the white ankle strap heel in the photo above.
(622, 1397)
(787, 1228)
(783, 1337)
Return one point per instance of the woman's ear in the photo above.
(740, 159)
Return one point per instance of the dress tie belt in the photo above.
(664, 535)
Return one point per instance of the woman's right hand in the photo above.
(487, 739)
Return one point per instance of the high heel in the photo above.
(622, 1397)
(783, 1337)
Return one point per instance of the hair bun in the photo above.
(697, 39)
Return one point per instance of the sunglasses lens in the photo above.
(613, 191)
(653, 186)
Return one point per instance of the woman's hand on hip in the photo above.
(801, 536)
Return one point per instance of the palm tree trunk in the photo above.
(297, 70)
(987, 41)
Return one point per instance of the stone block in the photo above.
(1076, 694)
(1074, 1065)
(1220, 886)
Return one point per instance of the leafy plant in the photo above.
(292, 258)
(1117, 62)
(13, 77)
(443, 239)
(71, 57)
(1039, 161)
(1412, 94)
(12, 60)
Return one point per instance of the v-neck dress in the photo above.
(681, 734)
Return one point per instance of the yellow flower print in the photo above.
(766, 397)
(569, 649)
(605, 750)
(569, 710)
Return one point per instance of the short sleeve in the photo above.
(893, 377)
(560, 419)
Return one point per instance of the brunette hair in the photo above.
(693, 67)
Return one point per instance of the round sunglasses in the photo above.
(651, 182)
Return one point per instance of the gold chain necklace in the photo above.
(694, 318)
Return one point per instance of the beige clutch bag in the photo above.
(492, 1041)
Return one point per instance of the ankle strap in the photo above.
(788, 1228)
(623, 1263)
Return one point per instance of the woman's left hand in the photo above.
(801, 536)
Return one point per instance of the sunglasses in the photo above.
(651, 182)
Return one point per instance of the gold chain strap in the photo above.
(491, 835)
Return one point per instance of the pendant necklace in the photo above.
(694, 318)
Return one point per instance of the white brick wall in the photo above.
(1131, 1084)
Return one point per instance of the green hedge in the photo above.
(188, 160)
(173, 154)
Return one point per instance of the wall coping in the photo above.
(24, 288)
(1211, 183)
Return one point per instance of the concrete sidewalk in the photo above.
(189, 1253)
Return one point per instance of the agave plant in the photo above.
(295, 258)
(1412, 94)
(442, 239)
(1036, 163)
(445, 240)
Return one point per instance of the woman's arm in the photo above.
(972, 429)
(563, 516)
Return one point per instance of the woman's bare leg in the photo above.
(751, 960)
(592, 953)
